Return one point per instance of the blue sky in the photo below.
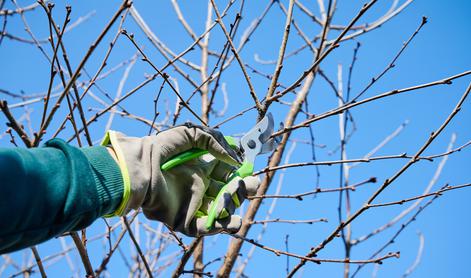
(441, 49)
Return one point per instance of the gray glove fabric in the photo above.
(181, 196)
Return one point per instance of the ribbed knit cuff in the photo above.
(108, 178)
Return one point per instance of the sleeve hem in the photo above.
(110, 138)
(108, 179)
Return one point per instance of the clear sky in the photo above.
(441, 49)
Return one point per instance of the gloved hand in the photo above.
(181, 196)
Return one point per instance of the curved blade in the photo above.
(272, 143)
(269, 146)
(265, 136)
(253, 141)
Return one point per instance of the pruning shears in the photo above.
(256, 141)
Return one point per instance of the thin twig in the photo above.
(278, 220)
(120, 89)
(38, 261)
(281, 54)
(383, 143)
(269, 213)
(83, 254)
(444, 81)
(378, 260)
(60, 43)
(14, 124)
(163, 75)
(406, 211)
(399, 231)
(393, 61)
(403, 201)
(20, 10)
(300, 196)
(124, 5)
(387, 182)
(107, 258)
(236, 245)
(186, 256)
(138, 248)
(326, 52)
(236, 54)
(98, 74)
(420, 250)
(184, 23)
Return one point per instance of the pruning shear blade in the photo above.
(257, 140)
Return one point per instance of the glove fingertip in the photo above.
(252, 183)
(217, 145)
(230, 224)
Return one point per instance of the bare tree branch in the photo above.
(387, 182)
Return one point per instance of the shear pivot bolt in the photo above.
(251, 144)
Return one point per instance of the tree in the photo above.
(212, 63)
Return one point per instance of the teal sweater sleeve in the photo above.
(47, 191)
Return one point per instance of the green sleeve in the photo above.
(47, 191)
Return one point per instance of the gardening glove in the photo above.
(180, 197)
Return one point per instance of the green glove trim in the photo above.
(110, 137)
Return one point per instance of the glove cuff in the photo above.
(130, 155)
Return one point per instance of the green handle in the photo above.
(182, 158)
(191, 154)
(244, 171)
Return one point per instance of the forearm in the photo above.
(47, 191)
